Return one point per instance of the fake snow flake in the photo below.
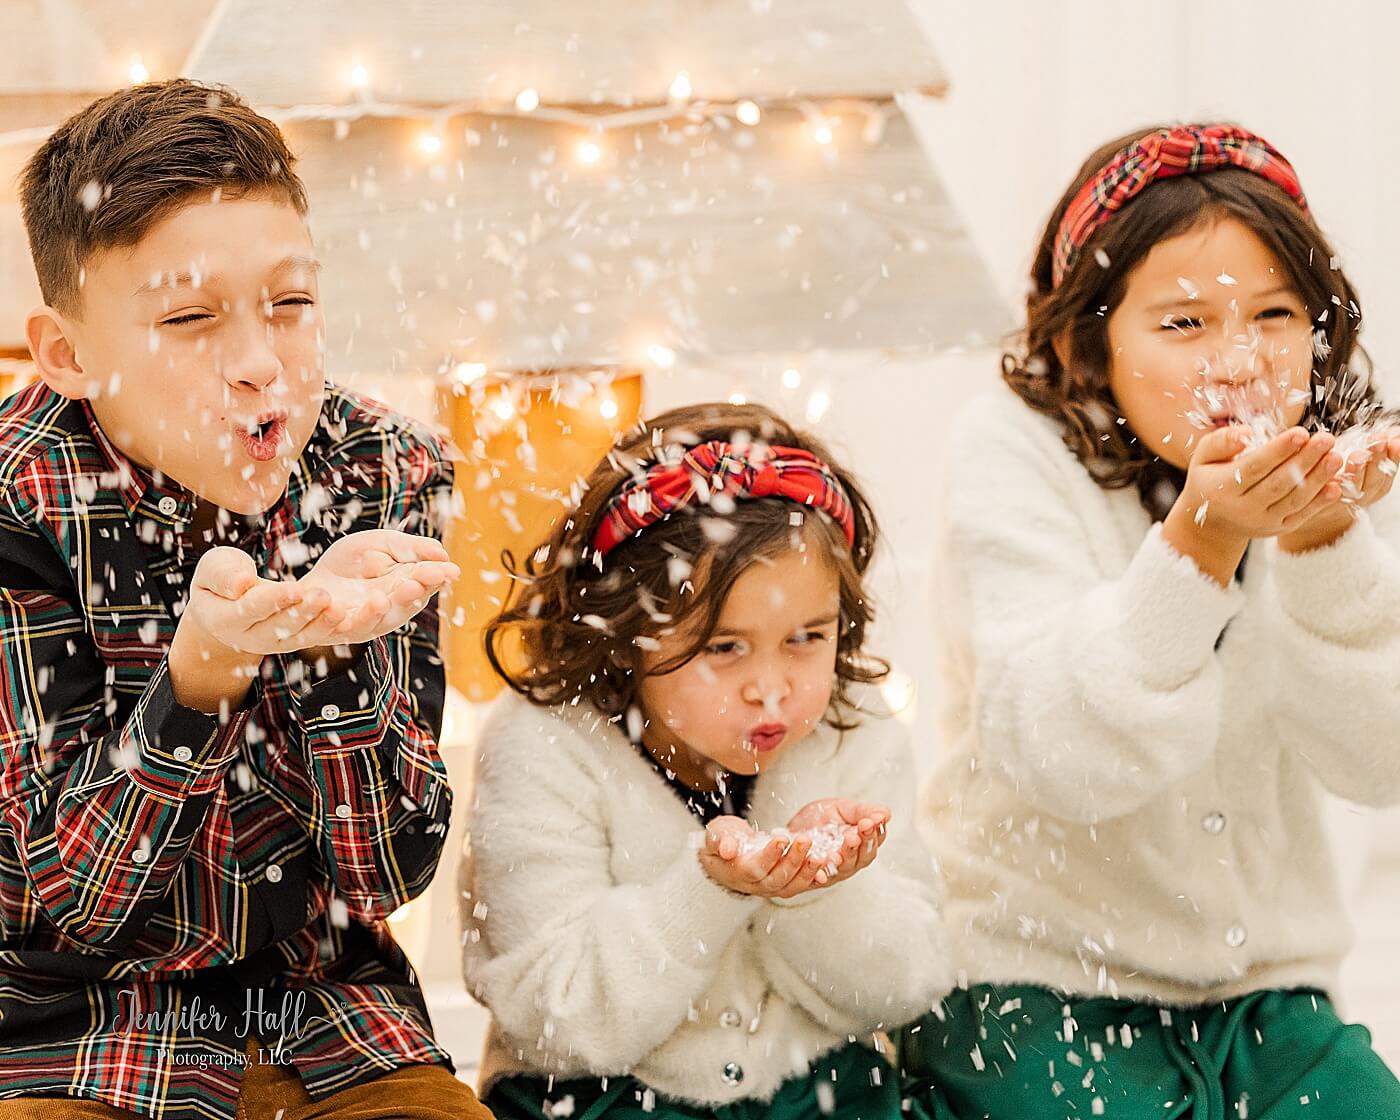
(1200, 517)
(91, 195)
(1353, 445)
(562, 1108)
(826, 1098)
(717, 531)
(677, 570)
(1226, 279)
(1101, 258)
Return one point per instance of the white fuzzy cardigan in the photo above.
(1124, 809)
(601, 947)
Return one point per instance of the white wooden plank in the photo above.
(614, 51)
(88, 45)
(718, 242)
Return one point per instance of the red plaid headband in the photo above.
(1168, 152)
(721, 468)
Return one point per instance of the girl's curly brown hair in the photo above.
(1075, 315)
(573, 630)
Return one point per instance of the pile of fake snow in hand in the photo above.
(827, 841)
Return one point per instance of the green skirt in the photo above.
(853, 1083)
(1021, 1053)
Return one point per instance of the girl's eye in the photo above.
(1181, 323)
(810, 637)
(296, 301)
(721, 649)
(1283, 313)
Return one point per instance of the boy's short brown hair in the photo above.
(116, 168)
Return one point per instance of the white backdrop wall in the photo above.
(1036, 85)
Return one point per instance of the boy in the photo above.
(221, 684)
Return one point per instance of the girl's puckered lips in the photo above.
(767, 736)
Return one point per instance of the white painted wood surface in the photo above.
(87, 46)
(713, 241)
(611, 51)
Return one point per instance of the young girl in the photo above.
(688, 646)
(1179, 628)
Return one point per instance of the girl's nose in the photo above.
(770, 690)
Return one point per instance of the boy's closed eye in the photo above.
(185, 318)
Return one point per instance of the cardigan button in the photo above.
(730, 1018)
(168, 505)
(330, 712)
(1236, 936)
(183, 754)
(274, 873)
(733, 1073)
(1214, 823)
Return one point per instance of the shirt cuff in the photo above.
(1172, 614)
(181, 752)
(1343, 590)
(350, 709)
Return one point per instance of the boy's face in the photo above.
(201, 348)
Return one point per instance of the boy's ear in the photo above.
(51, 346)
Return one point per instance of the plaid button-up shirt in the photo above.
(170, 885)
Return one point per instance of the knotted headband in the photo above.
(1164, 154)
(722, 468)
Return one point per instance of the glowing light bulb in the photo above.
(817, 404)
(822, 133)
(527, 100)
(430, 143)
(791, 379)
(607, 408)
(681, 89)
(748, 113)
(661, 355)
(588, 153)
(137, 71)
(359, 76)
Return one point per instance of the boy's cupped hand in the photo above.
(364, 585)
(825, 843)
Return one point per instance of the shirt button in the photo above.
(343, 811)
(168, 505)
(183, 754)
(730, 1018)
(330, 711)
(140, 855)
(1214, 823)
(274, 873)
(733, 1073)
(1236, 936)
